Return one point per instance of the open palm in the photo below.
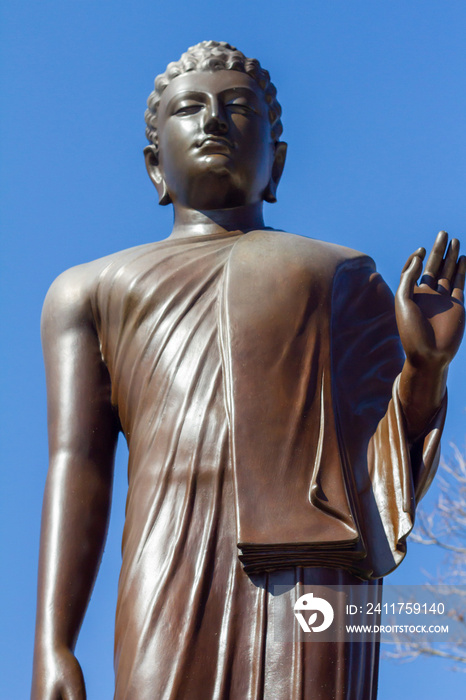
(430, 315)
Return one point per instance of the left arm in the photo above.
(430, 318)
(390, 432)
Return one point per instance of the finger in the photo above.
(435, 260)
(409, 277)
(449, 266)
(420, 252)
(458, 284)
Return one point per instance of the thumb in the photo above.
(410, 274)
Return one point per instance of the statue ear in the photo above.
(153, 170)
(277, 169)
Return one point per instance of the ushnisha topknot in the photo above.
(213, 56)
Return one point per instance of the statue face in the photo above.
(215, 143)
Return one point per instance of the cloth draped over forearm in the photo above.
(323, 472)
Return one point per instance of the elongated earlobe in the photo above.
(164, 197)
(270, 192)
(153, 170)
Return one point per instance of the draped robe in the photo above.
(252, 374)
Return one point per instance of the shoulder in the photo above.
(309, 251)
(69, 298)
(351, 274)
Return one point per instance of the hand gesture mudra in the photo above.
(430, 314)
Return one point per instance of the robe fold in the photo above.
(312, 351)
(253, 375)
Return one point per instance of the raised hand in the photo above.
(430, 315)
(430, 319)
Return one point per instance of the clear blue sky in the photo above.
(374, 103)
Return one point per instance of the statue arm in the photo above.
(390, 470)
(430, 319)
(83, 430)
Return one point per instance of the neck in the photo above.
(195, 222)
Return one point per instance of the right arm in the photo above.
(83, 431)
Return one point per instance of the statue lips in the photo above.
(215, 145)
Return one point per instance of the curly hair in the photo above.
(213, 56)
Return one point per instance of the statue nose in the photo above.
(216, 121)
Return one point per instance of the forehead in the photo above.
(211, 83)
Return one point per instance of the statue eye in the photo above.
(240, 108)
(185, 109)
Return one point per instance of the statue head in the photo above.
(216, 76)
